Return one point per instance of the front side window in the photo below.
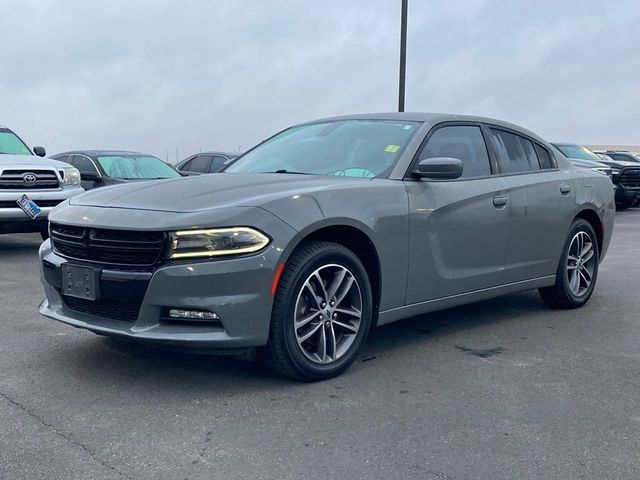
(217, 163)
(200, 164)
(83, 164)
(516, 153)
(462, 142)
(134, 167)
(11, 144)
(352, 148)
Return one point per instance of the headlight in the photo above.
(615, 171)
(216, 242)
(71, 176)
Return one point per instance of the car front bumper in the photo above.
(625, 194)
(238, 290)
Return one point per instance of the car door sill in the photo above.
(393, 314)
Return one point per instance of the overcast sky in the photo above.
(224, 74)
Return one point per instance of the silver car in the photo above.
(326, 230)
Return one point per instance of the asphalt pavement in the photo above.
(501, 389)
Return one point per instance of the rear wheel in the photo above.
(322, 312)
(578, 269)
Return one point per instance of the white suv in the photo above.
(31, 186)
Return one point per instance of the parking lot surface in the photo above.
(500, 389)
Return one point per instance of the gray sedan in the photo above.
(326, 230)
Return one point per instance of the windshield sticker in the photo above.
(392, 148)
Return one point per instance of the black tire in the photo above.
(562, 294)
(289, 357)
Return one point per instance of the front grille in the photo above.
(106, 308)
(21, 179)
(108, 247)
(629, 177)
(40, 203)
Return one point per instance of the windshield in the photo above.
(10, 143)
(579, 152)
(351, 148)
(131, 167)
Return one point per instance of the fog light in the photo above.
(192, 314)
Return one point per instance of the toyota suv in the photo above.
(30, 186)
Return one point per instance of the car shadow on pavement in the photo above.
(442, 323)
(127, 365)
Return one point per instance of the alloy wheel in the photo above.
(328, 313)
(580, 263)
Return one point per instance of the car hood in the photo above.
(205, 192)
(29, 161)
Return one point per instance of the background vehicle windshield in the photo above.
(579, 152)
(10, 143)
(352, 148)
(136, 167)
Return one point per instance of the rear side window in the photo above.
(199, 164)
(544, 158)
(462, 142)
(516, 153)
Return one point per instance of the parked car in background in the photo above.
(205, 162)
(30, 186)
(621, 155)
(99, 168)
(625, 175)
(325, 230)
(586, 163)
(604, 156)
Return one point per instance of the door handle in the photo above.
(565, 189)
(499, 202)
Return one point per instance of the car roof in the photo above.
(215, 152)
(95, 153)
(431, 118)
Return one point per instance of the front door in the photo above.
(459, 230)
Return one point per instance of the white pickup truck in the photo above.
(31, 186)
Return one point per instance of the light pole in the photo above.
(403, 55)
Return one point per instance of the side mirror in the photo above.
(89, 176)
(439, 168)
(40, 151)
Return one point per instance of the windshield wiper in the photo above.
(282, 170)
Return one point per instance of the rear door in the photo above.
(542, 204)
(458, 229)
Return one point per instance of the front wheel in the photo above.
(578, 269)
(322, 312)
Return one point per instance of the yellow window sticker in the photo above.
(392, 148)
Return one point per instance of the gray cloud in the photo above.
(201, 74)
